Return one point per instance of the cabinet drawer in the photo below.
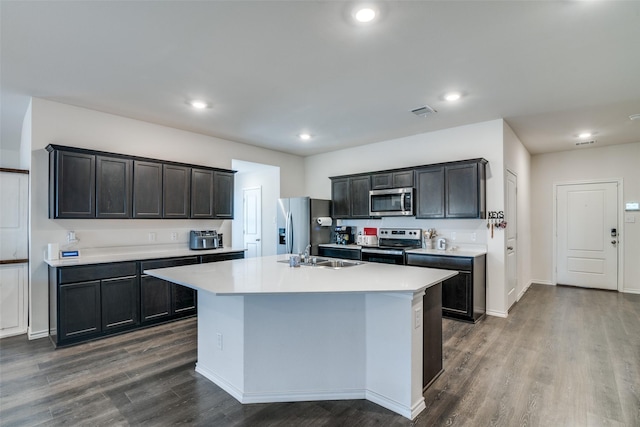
(171, 262)
(221, 257)
(83, 273)
(438, 261)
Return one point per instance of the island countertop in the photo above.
(266, 275)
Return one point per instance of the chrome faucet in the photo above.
(307, 254)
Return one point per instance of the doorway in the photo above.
(587, 234)
(511, 216)
(252, 213)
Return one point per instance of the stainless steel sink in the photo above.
(327, 263)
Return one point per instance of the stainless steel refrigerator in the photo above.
(298, 227)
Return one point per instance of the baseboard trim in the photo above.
(496, 313)
(37, 335)
(631, 291)
(543, 282)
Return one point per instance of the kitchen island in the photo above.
(268, 332)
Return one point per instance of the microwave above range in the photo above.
(392, 202)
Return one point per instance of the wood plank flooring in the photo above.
(564, 357)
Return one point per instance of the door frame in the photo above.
(519, 292)
(244, 216)
(620, 263)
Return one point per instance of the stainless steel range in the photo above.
(392, 243)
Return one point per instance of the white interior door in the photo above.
(511, 216)
(252, 208)
(587, 242)
(14, 188)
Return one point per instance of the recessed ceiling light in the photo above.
(365, 14)
(634, 117)
(584, 135)
(304, 136)
(452, 96)
(200, 105)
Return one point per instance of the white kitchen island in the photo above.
(268, 332)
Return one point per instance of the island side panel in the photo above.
(221, 346)
(394, 334)
(304, 347)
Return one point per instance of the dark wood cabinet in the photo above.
(397, 179)
(223, 194)
(451, 190)
(226, 256)
(464, 295)
(162, 300)
(176, 191)
(119, 302)
(341, 253)
(80, 311)
(430, 192)
(202, 201)
(72, 184)
(113, 187)
(147, 189)
(432, 335)
(91, 301)
(350, 196)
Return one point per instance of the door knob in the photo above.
(257, 240)
(613, 242)
(510, 248)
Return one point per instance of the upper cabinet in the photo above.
(223, 192)
(147, 189)
(397, 179)
(451, 190)
(72, 178)
(113, 187)
(350, 196)
(93, 184)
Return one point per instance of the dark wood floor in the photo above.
(564, 357)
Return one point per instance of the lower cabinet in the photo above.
(342, 253)
(88, 302)
(464, 295)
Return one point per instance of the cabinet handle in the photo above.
(510, 248)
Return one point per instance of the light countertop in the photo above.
(265, 275)
(106, 255)
(461, 252)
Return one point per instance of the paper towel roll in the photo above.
(324, 221)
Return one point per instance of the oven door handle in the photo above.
(383, 251)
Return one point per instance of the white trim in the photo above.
(37, 335)
(631, 291)
(543, 282)
(619, 182)
(497, 313)
(397, 407)
(220, 382)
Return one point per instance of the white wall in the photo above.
(54, 123)
(612, 162)
(518, 160)
(464, 142)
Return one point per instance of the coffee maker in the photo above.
(344, 235)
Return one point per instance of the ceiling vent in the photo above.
(593, 141)
(423, 111)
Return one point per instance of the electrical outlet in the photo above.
(152, 237)
(474, 237)
(417, 319)
(219, 335)
(174, 236)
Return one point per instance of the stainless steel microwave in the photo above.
(391, 202)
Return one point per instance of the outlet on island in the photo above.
(152, 237)
(174, 236)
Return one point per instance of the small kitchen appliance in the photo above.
(205, 239)
(344, 235)
(391, 202)
(367, 240)
(392, 243)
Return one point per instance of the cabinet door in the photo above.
(72, 194)
(462, 191)
(202, 201)
(359, 196)
(381, 181)
(119, 302)
(156, 298)
(223, 194)
(184, 300)
(430, 192)
(113, 187)
(456, 294)
(147, 189)
(176, 191)
(340, 198)
(403, 179)
(79, 310)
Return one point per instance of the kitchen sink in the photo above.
(327, 263)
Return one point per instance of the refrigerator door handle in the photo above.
(288, 233)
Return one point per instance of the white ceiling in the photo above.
(272, 69)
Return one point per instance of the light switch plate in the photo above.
(629, 218)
